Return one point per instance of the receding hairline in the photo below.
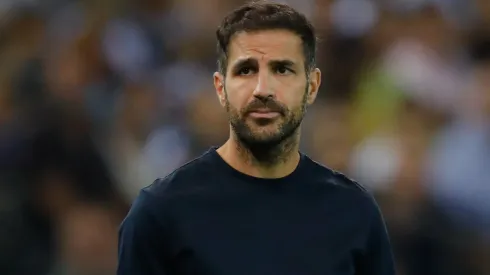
(284, 31)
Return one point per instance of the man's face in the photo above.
(266, 89)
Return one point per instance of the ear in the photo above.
(314, 85)
(219, 86)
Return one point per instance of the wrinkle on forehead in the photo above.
(262, 54)
(267, 44)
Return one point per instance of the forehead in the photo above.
(268, 44)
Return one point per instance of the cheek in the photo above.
(293, 96)
(239, 94)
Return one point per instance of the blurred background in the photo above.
(100, 97)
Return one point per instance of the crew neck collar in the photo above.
(294, 176)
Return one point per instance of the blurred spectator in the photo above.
(326, 145)
(460, 183)
(99, 98)
(137, 148)
(88, 241)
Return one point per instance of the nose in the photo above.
(263, 88)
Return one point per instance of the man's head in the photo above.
(267, 73)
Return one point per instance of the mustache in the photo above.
(270, 104)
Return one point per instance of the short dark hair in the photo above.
(265, 15)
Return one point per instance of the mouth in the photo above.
(264, 114)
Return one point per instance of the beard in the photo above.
(267, 141)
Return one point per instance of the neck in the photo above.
(284, 162)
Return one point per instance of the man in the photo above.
(256, 205)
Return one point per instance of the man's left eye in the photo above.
(283, 70)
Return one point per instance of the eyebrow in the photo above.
(283, 62)
(245, 62)
(253, 62)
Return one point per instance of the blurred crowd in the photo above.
(100, 97)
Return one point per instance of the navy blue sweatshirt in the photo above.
(207, 218)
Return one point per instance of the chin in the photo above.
(264, 132)
(259, 133)
(265, 137)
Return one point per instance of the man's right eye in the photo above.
(245, 71)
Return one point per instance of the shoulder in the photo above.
(349, 193)
(343, 185)
(329, 176)
(191, 175)
(153, 202)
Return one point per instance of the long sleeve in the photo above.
(140, 241)
(377, 258)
